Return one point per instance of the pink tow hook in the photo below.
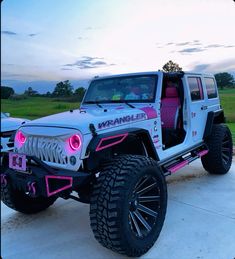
(3, 180)
(31, 188)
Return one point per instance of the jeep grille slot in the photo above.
(46, 149)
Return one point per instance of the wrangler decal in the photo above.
(121, 120)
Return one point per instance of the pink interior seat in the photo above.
(170, 108)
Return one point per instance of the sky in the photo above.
(78, 39)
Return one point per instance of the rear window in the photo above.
(210, 87)
(195, 87)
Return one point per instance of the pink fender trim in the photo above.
(119, 137)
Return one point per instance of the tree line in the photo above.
(64, 89)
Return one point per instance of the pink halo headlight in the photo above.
(75, 142)
(20, 137)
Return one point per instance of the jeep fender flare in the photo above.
(213, 117)
(101, 145)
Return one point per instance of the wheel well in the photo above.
(216, 117)
(137, 142)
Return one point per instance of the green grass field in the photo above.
(227, 98)
(36, 107)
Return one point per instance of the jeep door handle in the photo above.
(204, 107)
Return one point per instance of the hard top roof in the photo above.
(166, 74)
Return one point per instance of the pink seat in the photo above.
(170, 108)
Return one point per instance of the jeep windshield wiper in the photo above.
(130, 105)
(126, 102)
(94, 102)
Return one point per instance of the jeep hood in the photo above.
(10, 124)
(101, 118)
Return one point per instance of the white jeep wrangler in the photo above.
(130, 132)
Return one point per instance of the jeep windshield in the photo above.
(122, 90)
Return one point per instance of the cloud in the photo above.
(183, 43)
(87, 62)
(229, 46)
(10, 33)
(201, 67)
(219, 46)
(227, 65)
(8, 64)
(202, 47)
(186, 43)
(82, 38)
(178, 44)
(191, 46)
(191, 50)
(32, 34)
(64, 68)
(11, 75)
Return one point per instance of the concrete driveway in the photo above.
(200, 223)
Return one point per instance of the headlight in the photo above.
(75, 142)
(20, 137)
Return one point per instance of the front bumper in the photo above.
(41, 179)
(6, 144)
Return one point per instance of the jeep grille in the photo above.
(46, 149)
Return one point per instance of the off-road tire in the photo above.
(19, 201)
(110, 204)
(219, 158)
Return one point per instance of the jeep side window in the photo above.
(195, 87)
(210, 87)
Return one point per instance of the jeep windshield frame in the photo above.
(122, 89)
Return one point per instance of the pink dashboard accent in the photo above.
(59, 178)
(150, 112)
(203, 153)
(119, 137)
(175, 168)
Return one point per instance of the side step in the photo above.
(183, 160)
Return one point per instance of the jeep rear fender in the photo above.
(213, 117)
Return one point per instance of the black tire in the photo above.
(219, 158)
(117, 198)
(19, 201)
